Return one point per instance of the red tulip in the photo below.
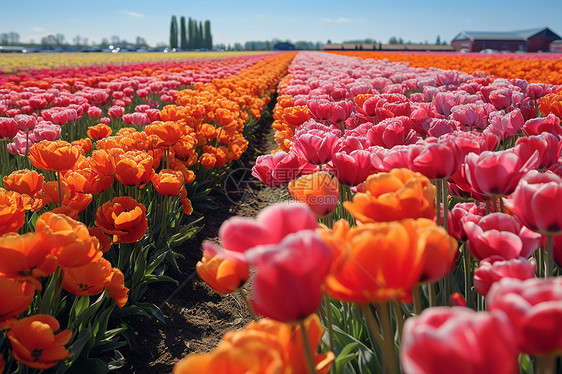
(444, 340)
(534, 307)
(495, 268)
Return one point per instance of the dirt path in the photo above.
(196, 316)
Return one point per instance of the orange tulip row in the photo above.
(202, 130)
(537, 69)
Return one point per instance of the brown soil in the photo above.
(196, 316)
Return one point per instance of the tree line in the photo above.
(193, 35)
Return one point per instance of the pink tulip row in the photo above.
(35, 105)
(481, 138)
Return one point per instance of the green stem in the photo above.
(445, 197)
(328, 312)
(502, 208)
(550, 253)
(467, 262)
(437, 183)
(495, 202)
(164, 226)
(432, 294)
(416, 296)
(398, 317)
(307, 350)
(388, 352)
(372, 325)
(60, 187)
(242, 294)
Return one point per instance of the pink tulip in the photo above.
(438, 159)
(116, 111)
(444, 340)
(495, 268)
(546, 144)
(288, 282)
(497, 173)
(316, 146)
(351, 168)
(20, 145)
(94, 112)
(391, 132)
(537, 202)
(534, 307)
(45, 131)
(25, 122)
(470, 116)
(464, 212)
(499, 234)
(536, 126)
(105, 120)
(503, 97)
(279, 168)
(507, 125)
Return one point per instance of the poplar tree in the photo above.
(174, 33)
(183, 34)
(208, 36)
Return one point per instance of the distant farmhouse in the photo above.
(532, 40)
(386, 47)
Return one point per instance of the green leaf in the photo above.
(525, 364)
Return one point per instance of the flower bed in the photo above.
(426, 236)
(532, 67)
(94, 207)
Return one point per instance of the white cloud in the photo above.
(342, 20)
(37, 28)
(133, 14)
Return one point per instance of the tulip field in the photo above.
(421, 232)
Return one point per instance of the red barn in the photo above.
(532, 40)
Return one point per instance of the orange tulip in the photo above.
(134, 168)
(103, 161)
(16, 297)
(105, 241)
(24, 255)
(266, 346)
(440, 250)
(224, 276)
(87, 280)
(85, 145)
(12, 211)
(394, 196)
(124, 218)
(170, 132)
(320, 191)
(168, 182)
(69, 240)
(379, 262)
(98, 132)
(35, 344)
(24, 182)
(88, 180)
(58, 155)
(67, 211)
(551, 104)
(116, 288)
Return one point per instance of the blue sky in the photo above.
(244, 20)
